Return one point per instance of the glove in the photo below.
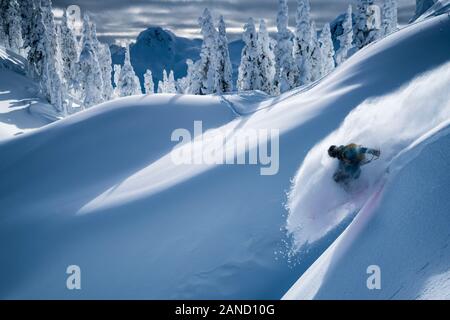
(376, 153)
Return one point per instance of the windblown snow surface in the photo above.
(99, 190)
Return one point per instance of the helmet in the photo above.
(332, 151)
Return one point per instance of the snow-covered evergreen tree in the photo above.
(346, 38)
(89, 71)
(3, 36)
(51, 81)
(248, 69)
(105, 63)
(171, 86)
(223, 75)
(14, 24)
(148, 82)
(27, 9)
(167, 85)
(4, 29)
(285, 69)
(204, 74)
(265, 61)
(163, 83)
(183, 84)
(390, 17)
(69, 53)
(128, 81)
(117, 70)
(36, 43)
(316, 55)
(161, 88)
(327, 50)
(365, 30)
(303, 44)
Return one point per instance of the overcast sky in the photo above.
(124, 19)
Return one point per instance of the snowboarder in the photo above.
(351, 157)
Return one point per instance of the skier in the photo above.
(351, 157)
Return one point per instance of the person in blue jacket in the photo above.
(351, 157)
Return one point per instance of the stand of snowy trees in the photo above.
(294, 58)
(72, 74)
(76, 73)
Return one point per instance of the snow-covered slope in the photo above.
(416, 108)
(403, 229)
(99, 189)
(20, 108)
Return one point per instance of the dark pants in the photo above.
(346, 172)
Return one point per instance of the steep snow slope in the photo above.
(20, 108)
(407, 235)
(416, 108)
(99, 189)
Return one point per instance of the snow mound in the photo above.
(316, 203)
(402, 229)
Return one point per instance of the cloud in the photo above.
(118, 19)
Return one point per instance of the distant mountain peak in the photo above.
(156, 34)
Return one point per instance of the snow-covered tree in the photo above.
(285, 69)
(36, 43)
(95, 41)
(223, 81)
(167, 85)
(4, 29)
(69, 53)
(204, 74)
(265, 61)
(248, 69)
(183, 84)
(346, 38)
(105, 63)
(303, 44)
(148, 82)
(89, 71)
(14, 24)
(162, 83)
(161, 88)
(27, 9)
(315, 55)
(51, 81)
(128, 81)
(365, 30)
(117, 70)
(327, 50)
(171, 86)
(390, 18)
(4, 39)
